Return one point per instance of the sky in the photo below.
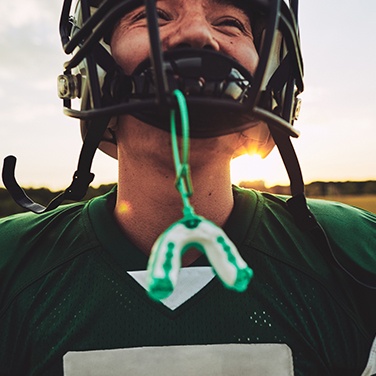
(337, 122)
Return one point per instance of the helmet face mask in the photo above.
(147, 94)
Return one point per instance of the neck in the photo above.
(148, 201)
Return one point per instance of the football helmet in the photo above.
(222, 96)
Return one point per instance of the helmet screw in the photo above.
(69, 86)
(298, 105)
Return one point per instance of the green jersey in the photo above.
(70, 282)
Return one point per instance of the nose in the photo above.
(194, 32)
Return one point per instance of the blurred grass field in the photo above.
(367, 202)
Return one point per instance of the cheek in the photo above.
(129, 50)
(249, 58)
(245, 54)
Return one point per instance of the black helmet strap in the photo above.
(81, 178)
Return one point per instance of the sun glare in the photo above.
(246, 168)
(253, 168)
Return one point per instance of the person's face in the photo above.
(210, 24)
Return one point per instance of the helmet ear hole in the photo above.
(267, 147)
(108, 147)
(256, 140)
(108, 144)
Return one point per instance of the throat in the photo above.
(144, 218)
(148, 202)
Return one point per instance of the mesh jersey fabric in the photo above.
(64, 287)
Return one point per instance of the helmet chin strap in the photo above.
(81, 178)
(191, 231)
(297, 204)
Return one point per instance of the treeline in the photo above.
(358, 188)
(319, 188)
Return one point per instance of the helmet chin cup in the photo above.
(215, 86)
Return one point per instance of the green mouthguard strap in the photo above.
(191, 231)
(183, 182)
